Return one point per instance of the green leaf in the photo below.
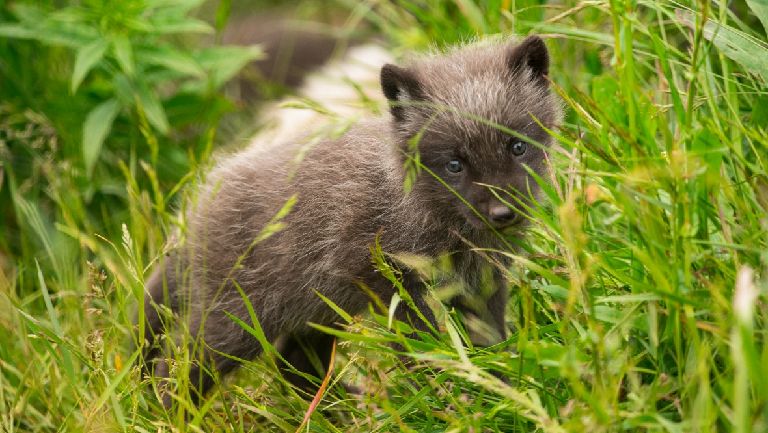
(87, 57)
(225, 62)
(580, 34)
(174, 60)
(66, 356)
(71, 34)
(222, 14)
(95, 129)
(27, 13)
(254, 328)
(138, 25)
(123, 89)
(760, 9)
(150, 103)
(706, 145)
(760, 110)
(740, 47)
(393, 303)
(16, 31)
(343, 314)
(456, 340)
(114, 382)
(123, 50)
(607, 93)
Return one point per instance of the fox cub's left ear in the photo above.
(401, 88)
(532, 54)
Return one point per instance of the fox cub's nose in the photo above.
(500, 214)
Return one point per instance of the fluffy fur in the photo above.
(349, 192)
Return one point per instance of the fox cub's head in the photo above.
(457, 111)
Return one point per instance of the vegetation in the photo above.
(638, 303)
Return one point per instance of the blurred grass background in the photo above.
(639, 305)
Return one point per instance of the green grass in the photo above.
(639, 302)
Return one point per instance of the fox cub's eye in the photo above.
(517, 147)
(454, 166)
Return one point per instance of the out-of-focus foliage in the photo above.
(99, 92)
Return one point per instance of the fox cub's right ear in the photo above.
(401, 87)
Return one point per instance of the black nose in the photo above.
(500, 214)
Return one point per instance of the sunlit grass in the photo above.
(638, 302)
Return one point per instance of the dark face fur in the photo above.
(457, 103)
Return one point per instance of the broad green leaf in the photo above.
(139, 26)
(738, 46)
(66, 17)
(28, 13)
(174, 60)
(225, 62)
(557, 292)
(123, 89)
(87, 57)
(65, 26)
(95, 129)
(71, 35)
(760, 9)
(16, 31)
(153, 109)
(123, 50)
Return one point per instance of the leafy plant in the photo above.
(122, 47)
(123, 87)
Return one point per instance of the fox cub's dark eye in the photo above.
(517, 147)
(454, 166)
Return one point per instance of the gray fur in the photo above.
(350, 190)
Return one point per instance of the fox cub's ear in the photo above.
(531, 53)
(401, 87)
